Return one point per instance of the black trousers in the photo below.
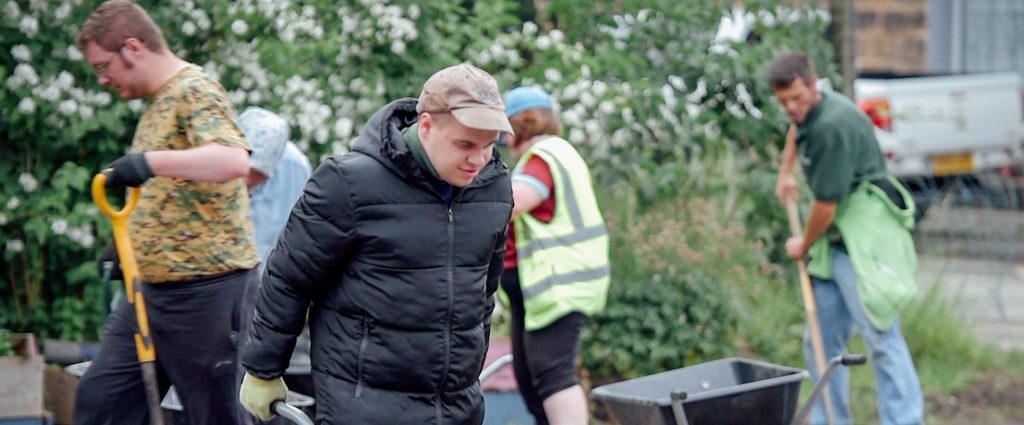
(543, 360)
(196, 328)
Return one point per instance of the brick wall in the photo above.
(891, 35)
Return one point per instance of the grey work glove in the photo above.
(258, 394)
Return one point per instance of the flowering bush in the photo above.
(325, 65)
(658, 106)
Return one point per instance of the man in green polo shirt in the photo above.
(861, 275)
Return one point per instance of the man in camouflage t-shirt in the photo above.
(191, 230)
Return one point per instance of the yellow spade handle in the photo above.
(119, 219)
(125, 253)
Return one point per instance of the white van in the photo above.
(938, 126)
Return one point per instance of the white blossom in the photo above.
(202, 20)
(543, 42)
(398, 47)
(3, 219)
(343, 127)
(101, 98)
(239, 27)
(529, 28)
(11, 9)
(743, 96)
(588, 99)
(577, 136)
(572, 118)
(15, 245)
(27, 106)
(557, 36)
(212, 69)
(65, 80)
(74, 54)
(13, 203)
(136, 105)
(677, 82)
(82, 236)
(68, 107)
(607, 107)
(188, 28)
(29, 26)
(74, 233)
(237, 96)
(87, 241)
(59, 226)
(62, 11)
(698, 93)
(50, 93)
(553, 75)
(28, 182)
(21, 53)
(23, 74)
(642, 15)
(627, 115)
(85, 112)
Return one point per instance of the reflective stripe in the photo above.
(535, 183)
(581, 235)
(570, 194)
(564, 279)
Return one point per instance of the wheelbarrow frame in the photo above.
(679, 396)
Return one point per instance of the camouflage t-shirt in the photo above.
(184, 229)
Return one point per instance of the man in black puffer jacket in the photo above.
(397, 248)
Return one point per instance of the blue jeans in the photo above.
(840, 312)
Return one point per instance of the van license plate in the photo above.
(957, 163)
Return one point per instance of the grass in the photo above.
(948, 357)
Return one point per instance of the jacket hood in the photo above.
(381, 139)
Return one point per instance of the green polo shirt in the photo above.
(837, 148)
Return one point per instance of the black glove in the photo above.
(110, 255)
(129, 170)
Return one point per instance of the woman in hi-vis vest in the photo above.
(556, 264)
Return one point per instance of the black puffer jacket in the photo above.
(400, 284)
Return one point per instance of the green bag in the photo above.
(876, 233)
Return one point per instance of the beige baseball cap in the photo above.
(469, 93)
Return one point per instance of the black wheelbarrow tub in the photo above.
(720, 392)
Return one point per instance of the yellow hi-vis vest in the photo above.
(563, 265)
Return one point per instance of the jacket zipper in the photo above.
(362, 351)
(448, 318)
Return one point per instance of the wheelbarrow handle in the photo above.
(853, 359)
(290, 412)
(493, 367)
(819, 388)
(678, 413)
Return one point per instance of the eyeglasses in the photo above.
(103, 68)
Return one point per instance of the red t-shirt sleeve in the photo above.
(537, 168)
